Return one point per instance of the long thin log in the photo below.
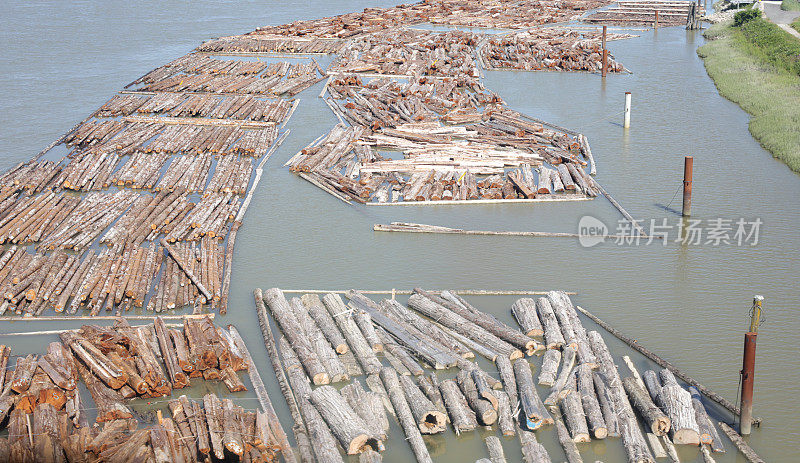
(176, 257)
(740, 444)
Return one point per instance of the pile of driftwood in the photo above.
(410, 52)
(48, 419)
(653, 13)
(549, 49)
(324, 340)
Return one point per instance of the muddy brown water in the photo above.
(688, 303)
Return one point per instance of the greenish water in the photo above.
(687, 303)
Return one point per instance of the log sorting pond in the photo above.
(586, 401)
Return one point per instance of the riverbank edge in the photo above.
(769, 94)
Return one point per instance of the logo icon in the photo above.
(591, 231)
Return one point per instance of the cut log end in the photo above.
(434, 423)
(321, 379)
(686, 437)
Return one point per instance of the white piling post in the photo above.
(627, 121)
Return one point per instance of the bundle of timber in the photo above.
(31, 177)
(516, 14)
(209, 218)
(243, 108)
(201, 64)
(115, 136)
(122, 105)
(443, 162)
(647, 13)
(386, 103)
(244, 44)
(552, 49)
(274, 79)
(142, 170)
(326, 341)
(410, 52)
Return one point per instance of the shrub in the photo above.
(746, 16)
(790, 5)
(773, 44)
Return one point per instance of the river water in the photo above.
(689, 303)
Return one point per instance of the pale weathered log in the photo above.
(460, 325)
(572, 409)
(532, 406)
(567, 442)
(550, 362)
(429, 418)
(495, 449)
(591, 407)
(585, 354)
(483, 408)
(509, 381)
(606, 405)
(355, 339)
(524, 311)
(413, 436)
(368, 406)
(533, 451)
(364, 322)
(708, 432)
(291, 328)
(324, 321)
(461, 415)
(677, 404)
(350, 429)
(653, 417)
(369, 456)
(326, 354)
(323, 441)
(552, 331)
(505, 418)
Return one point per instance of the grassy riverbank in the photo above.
(752, 66)
(790, 5)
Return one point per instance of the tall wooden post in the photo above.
(688, 162)
(748, 368)
(605, 53)
(626, 121)
(655, 25)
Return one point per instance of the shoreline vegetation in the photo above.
(755, 66)
(790, 5)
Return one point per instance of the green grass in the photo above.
(772, 44)
(768, 92)
(796, 24)
(790, 5)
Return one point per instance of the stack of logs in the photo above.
(327, 341)
(550, 49)
(653, 13)
(48, 420)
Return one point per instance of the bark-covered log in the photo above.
(461, 415)
(364, 322)
(532, 406)
(653, 417)
(606, 405)
(677, 404)
(585, 354)
(550, 362)
(483, 408)
(505, 419)
(322, 440)
(509, 381)
(368, 406)
(428, 417)
(108, 401)
(567, 442)
(533, 451)
(495, 449)
(552, 331)
(524, 311)
(461, 325)
(325, 322)
(291, 328)
(326, 354)
(399, 403)
(708, 432)
(572, 409)
(355, 339)
(591, 406)
(350, 429)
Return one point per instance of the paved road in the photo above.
(773, 12)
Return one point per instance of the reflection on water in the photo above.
(688, 303)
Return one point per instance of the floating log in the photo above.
(291, 328)
(524, 311)
(461, 415)
(505, 414)
(657, 421)
(740, 443)
(572, 409)
(591, 406)
(535, 411)
(676, 403)
(325, 322)
(355, 339)
(368, 406)
(547, 375)
(708, 432)
(413, 435)
(350, 429)
(567, 442)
